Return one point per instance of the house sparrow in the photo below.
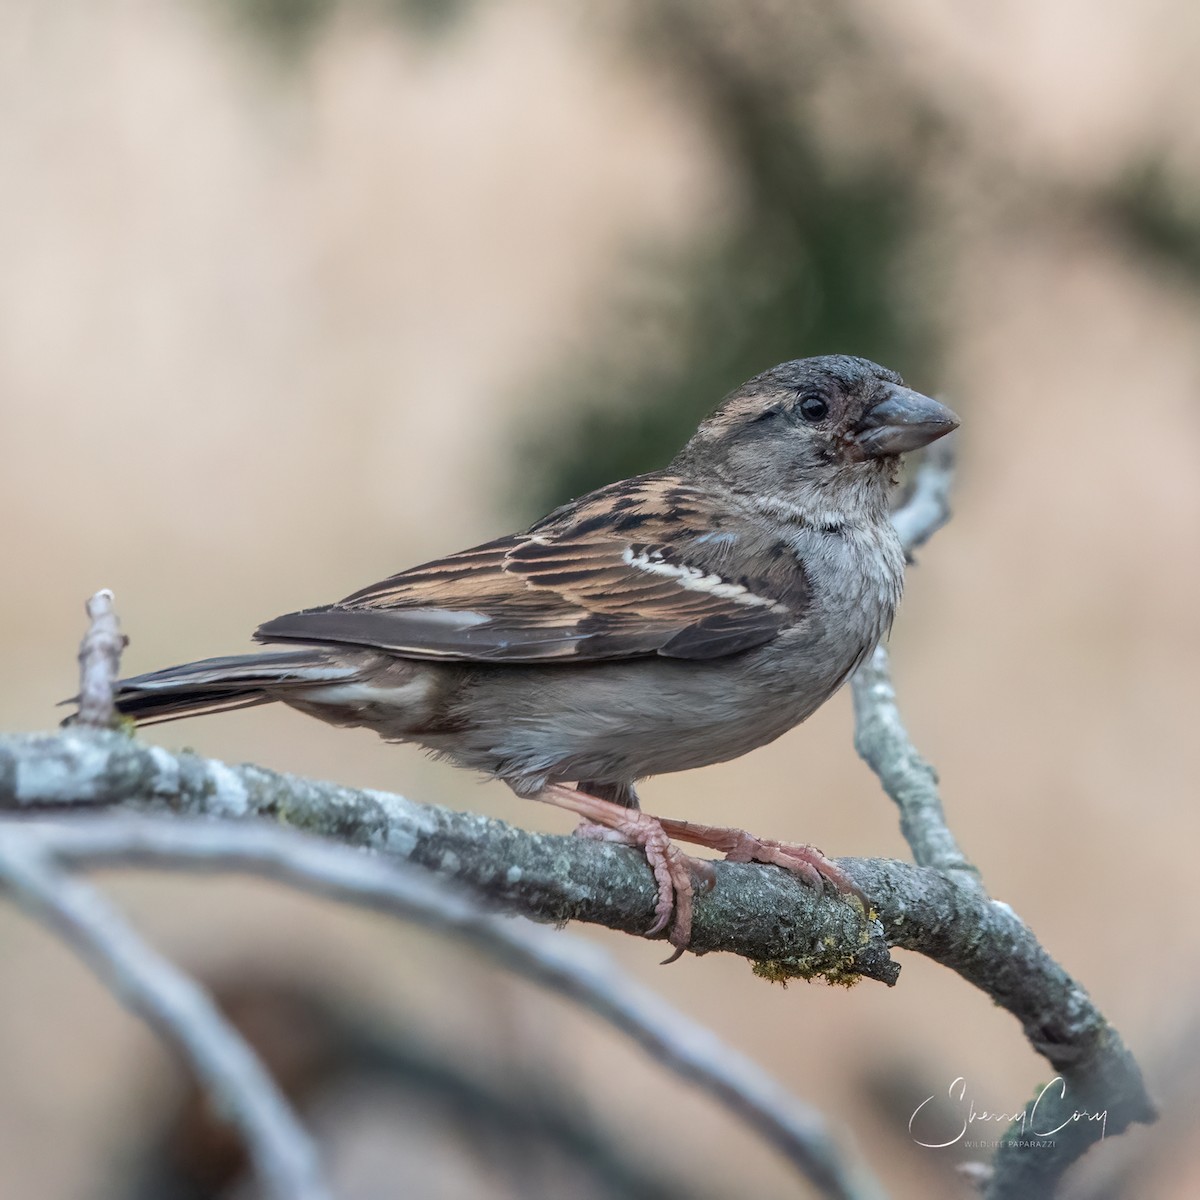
(661, 623)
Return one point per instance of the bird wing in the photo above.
(639, 568)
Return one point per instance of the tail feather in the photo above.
(221, 684)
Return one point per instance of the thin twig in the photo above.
(99, 663)
(151, 986)
(558, 962)
(883, 743)
(927, 507)
(936, 914)
(879, 734)
(984, 940)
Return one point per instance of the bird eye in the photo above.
(813, 408)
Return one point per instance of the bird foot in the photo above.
(592, 832)
(739, 846)
(677, 874)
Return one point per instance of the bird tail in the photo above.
(221, 684)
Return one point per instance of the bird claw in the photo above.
(806, 861)
(739, 846)
(679, 876)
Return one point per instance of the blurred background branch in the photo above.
(155, 989)
(31, 849)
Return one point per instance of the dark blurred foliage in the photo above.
(289, 28)
(1161, 217)
(521, 1124)
(809, 263)
(812, 258)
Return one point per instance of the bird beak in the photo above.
(904, 420)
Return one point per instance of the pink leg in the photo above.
(739, 846)
(673, 870)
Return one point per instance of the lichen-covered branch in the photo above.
(759, 912)
(763, 914)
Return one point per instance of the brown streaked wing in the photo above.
(568, 590)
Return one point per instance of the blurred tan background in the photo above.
(296, 293)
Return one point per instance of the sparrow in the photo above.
(661, 623)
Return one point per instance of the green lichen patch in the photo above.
(836, 969)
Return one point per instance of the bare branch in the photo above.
(560, 963)
(984, 941)
(883, 743)
(927, 507)
(99, 663)
(158, 991)
(879, 734)
(949, 916)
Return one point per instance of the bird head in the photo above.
(815, 425)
